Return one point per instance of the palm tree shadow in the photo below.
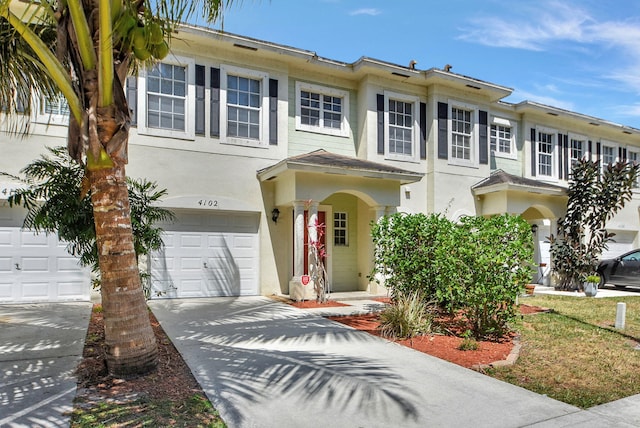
(273, 356)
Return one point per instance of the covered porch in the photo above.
(343, 195)
(538, 202)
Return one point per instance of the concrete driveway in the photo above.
(40, 347)
(266, 364)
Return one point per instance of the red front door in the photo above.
(321, 222)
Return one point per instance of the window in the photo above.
(167, 97)
(545, 151)
(461, 133)
(401, 126)
(633, 156)
(57, 106)
(609, 154)
(340, 229)
(577, 149)
(244, 111)
(321, 109)
(243, 107)
(53, 111)
(501, 139)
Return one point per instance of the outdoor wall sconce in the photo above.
(275, 213)
(534, 228)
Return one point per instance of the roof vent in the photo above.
(249, 48)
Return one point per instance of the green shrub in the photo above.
(407, 316)
(478, 266)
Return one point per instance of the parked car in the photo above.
(621, 271)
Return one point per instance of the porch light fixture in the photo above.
(534, 228)
(275, 213)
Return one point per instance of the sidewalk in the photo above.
(267, 364)
(40, 347)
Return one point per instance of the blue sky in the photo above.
(580, 55)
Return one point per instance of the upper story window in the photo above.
(53, 111)
(340, 232)
(167, 97)
(609, 154)
(402, 128)
(633, 156)
(165, 93)
(502, 138)
(577, 148)
(463, 140)
(461, 133)
(321, 109)
(545, 147)
(244, 108)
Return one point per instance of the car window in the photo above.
(635, 256)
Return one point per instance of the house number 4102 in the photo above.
(208, 203)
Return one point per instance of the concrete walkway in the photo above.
(267, 364)
(40, 347)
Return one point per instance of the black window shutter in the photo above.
(598, 150)
(273, 112)
(560, 157)
(200, 73)
(423, 130)
(533, 152)
(380, 119)
(624, 155)
(132, 98)
(443, 113)
(214, 82)
(589, 150)
(566, 156)
(483, 119)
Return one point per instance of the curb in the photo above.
(509, 361)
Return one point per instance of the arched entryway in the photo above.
(349, 193)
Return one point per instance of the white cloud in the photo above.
(366, 11)
(565, 26)
(554, 22)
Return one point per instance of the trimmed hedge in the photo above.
(477, 266)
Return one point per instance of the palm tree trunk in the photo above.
(131, 344)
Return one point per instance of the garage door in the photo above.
(36, 268)
(207, 254)
(623, 243)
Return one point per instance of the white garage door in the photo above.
(207, 254)
(623, 243)
(36, 268)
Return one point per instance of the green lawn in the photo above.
(574, 353)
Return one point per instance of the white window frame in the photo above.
(263, 141)
(345, 228)
(415, 129)
(636, 151)
(616, 152)
(50, 118)
(554, 152)
(344, 129)
(584, 140)
(507, 123)
(474, 140)
(190, 105)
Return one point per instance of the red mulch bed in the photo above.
(172, 380)
(445, 347)
(308, 304)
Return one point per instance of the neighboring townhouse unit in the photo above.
(254, 141)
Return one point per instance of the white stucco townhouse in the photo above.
(253, 140)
